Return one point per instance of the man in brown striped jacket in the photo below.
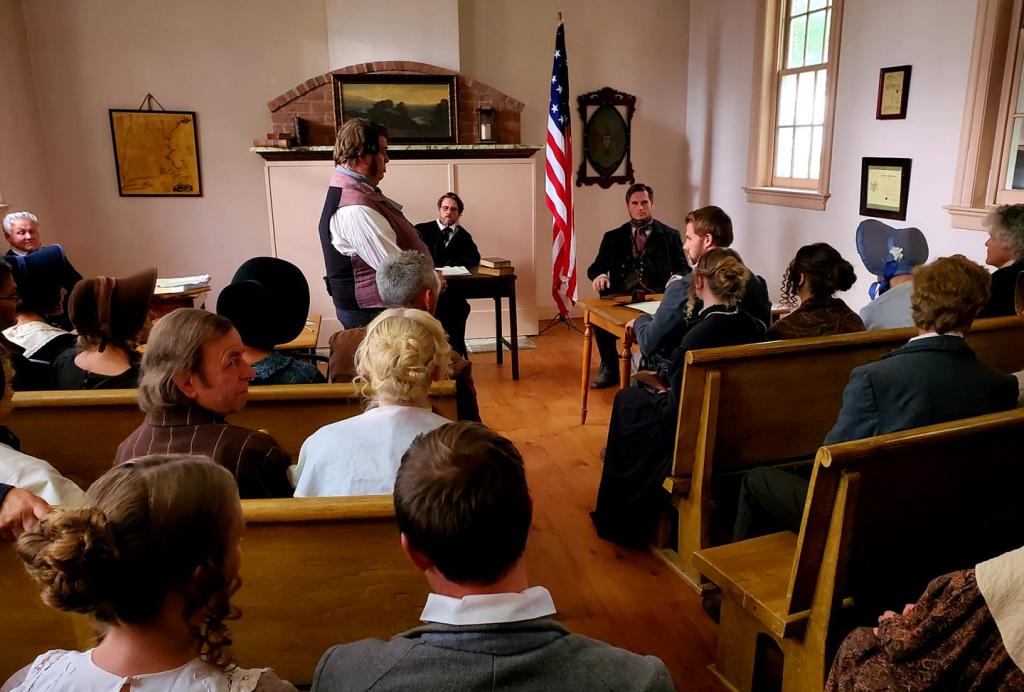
(193, 375)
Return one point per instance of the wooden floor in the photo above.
(625, 597)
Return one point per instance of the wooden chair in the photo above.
(78, 431)
(772, 404)
(884, 516)
(315, 572)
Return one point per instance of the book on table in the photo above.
(495, 262)
(496, 271)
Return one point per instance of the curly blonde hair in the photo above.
(399, 356)
(948, 294)
(153, 526)
(725, 273)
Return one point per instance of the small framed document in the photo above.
(884, 184)
(893, 91)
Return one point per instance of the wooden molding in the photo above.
(967, 218)
(787, 197)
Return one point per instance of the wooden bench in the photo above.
(315, 572)
(772, 404)
(884, 516)
(78, 431)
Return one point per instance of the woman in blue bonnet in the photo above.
(891, 255)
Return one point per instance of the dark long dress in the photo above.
(641, 434)
(948, 641)
(817, 317)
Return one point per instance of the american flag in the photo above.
(558, 185)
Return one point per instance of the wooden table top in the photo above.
(307, 339)
(613, 309)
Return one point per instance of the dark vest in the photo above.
(351, 282)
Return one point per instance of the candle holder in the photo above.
(485, 121)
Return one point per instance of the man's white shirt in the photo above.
(361, 231)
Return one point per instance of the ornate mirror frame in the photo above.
(607, 117)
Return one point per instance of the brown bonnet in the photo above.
(112, 309)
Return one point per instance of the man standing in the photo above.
(359, 226)
(464, 513)
(706, 228)
(193, 375)
(21, 231)
(450, 245)
(642, 254)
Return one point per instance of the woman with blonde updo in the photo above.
(641, 435)
(153, 557)
(404, 350)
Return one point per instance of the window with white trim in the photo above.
(794, 102)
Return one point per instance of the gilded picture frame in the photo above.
(156, 153)
(416, 109)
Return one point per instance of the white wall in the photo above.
(24, 181)
(368, 30)
(934, 36)
(222, 59)
(638, 47)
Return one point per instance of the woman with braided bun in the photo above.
(403, 352)
(641, 434)
(153, 557)
(810, 283)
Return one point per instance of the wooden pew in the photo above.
(315, 572)
(78, 431)
(772, 404)
(884, 516)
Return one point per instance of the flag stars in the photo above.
(558, 53)
(559, 88)
(554, 79)
(554, 108)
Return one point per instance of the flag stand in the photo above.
(560, 319)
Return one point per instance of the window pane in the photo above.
(797, 7)
(816, 152)
(805, 98)
(801, 152)
(816, 5)
(815, 38)
(1015, 158)
(797, 36)
(787, 99)
(784, 152)
(819, 97)
(828, 31)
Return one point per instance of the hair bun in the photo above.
(72, 555)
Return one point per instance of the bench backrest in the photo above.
(78, 431)
(887, 514)
(774, 402)
(315, 572)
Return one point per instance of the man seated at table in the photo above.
(451, 245)
(641, 254)
(464, 512)
(21, 230)
(658, 336)
(193, 375)
(934, 378)
(407, 280)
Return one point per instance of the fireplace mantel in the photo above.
(407, 151)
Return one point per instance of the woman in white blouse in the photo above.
(153, 557)
(403, 352)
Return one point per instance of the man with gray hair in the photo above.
(406, 280)
(21, 230)
(193, 375)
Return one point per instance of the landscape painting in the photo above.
(415, 109)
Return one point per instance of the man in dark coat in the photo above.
(934, 378)
(21, 231)
(642, 254)
(450, 245)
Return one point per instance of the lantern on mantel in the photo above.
(485, 118)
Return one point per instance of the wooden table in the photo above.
(164, 303)
(477, 285)
(306, 340)
(609, 315)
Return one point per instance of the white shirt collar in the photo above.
(19, 253)
(928, 335)
(487, 609)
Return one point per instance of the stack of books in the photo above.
(181, 284)
(495, 266)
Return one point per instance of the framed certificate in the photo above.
(893, 92)
(884, 184)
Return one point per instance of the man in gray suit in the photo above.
(464, 513)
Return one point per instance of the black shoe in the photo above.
(606, 377)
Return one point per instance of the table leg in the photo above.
(625, 363)
(513, 325)
(588, 338)
(497, 329)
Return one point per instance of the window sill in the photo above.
(967, 218)
(788, 197)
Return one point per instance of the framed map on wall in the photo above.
(156, 153)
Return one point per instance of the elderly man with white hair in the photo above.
(21, 230)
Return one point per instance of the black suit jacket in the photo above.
(662, 257)
(928, 381)
(460, 252)
(1004, 291)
